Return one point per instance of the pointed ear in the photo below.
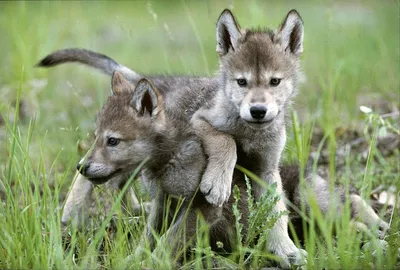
(228, 32)
(290, 33)
(146, 99)
(119, 84)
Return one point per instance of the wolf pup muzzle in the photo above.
(84, 169)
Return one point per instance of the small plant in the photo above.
(379, 122)
(251, 244)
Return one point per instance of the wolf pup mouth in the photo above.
(262, 123)
(103, 179)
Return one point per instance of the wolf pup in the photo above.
(135, 125)
(259, 72)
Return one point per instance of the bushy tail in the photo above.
(90, 58)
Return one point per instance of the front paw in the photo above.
(298, 257)
(216, 186)
(292, 257)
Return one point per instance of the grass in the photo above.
(351, 52)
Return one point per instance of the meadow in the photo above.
(47, 117)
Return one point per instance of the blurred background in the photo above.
(351, 58)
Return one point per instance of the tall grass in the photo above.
(351, 59)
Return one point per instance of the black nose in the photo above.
(258, 111)
(82, 168)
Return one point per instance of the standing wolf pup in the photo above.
(259, 71)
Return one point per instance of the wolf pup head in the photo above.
(127, 126)
(259, 68)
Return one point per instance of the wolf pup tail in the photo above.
(89, 58)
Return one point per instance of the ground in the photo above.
(351, 59)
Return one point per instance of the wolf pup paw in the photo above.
(216, 185)
(296, 257)
(289, 254)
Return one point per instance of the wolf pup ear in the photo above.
(290, 33)
(228, 32)
(119, 84)
(146, 100)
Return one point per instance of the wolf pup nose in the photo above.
(258, 111)
(82, 168)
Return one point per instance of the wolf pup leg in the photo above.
(278, 241)
(181, 237)
(221, 149)
(81, 201)
(78, 201)
(362, 212)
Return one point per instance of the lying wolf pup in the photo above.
(252, 104)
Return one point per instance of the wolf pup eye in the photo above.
(275, 81)
(112, 141)
(242, 82)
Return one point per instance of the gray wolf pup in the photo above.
(259, 73)
(136, 125)
(197, 92)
